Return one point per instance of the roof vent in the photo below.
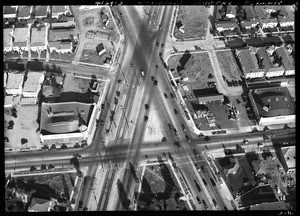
(276, 98)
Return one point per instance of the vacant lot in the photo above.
(228, 65)
(158, 185)
(91, 56)
(193, 69)
(194, 19)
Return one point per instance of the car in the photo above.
(196, 165)
(198, 199)
(213, 182)
(143, 73)
(197, 186)
(146, 118)
(121, 15)
(170, 126)
(183, 128)
(159, 27)
(171, 94)
(146, 106)
(195, 152)
(157, 43)
(80, 204)
(164, 139)
(162, 45)
(215, 203)
(202, 168)
(204, 181)
(136, 179)
(152, 78)
(166, 96)
(155, 82)
(238, 101)
(157, 67)
(187, 138)
(204, 204)
(175, 132)
(175, 111)
(177, 144)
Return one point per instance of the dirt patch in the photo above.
(195, 21)
(88, 21)
(228, 65)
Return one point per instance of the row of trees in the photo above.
(43, 167)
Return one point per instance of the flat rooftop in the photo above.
(32, 82)
(21, 34)
(14, 80)
(278, 99)
(289, 156)
(6, 35)
(58, 9)
(58, 118)
(24, 11)
(38, 36)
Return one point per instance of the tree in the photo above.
(51, 166)
(33, 168)
(76, 145)
(75, 162)
(53, 146)
(64, 146)
(43, 167)
(79, 173)
(45, 147)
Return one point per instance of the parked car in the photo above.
(170, 126)
(146, 106)
(166, 96)
(195, 152)
(162, 46)
(155, 82)
(136, 179)
(146, 118)
(183, 128)
(204, 204)
(187, 138)
(204, 181)
(198, 199)
(159, 27)
(171, 94)
(196, 165)
(197, 186)
(164, 139)
(175, 132)
(80, 204)
(215, 203)
(152, 78)
(238, 101)
(213, 182)
(143, 73)
(157, 43)
(202, 168)
(175, 111)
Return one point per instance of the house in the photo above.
(234, 166)
(104, 17)
(263, 59)
(249, 64)
(60, 34)
(248, 24)
(286, 21)
(64, 25)
(54, 46)
(221, 12)
(14, 83)
(236, 43)
(260, 12)
(287, 61)
(24, 12)
(272, 40)
(32, 85)
(287, 157)
(36, 46)
(208, 95)
(275, 72)
(41, 11)
(269, 23)
(225, 25)
(65, 47)
(255, 42)
(288, 39)
(58, 10)
(259, 168)
(230, 11)
(100, 49)
(41, 204)
(10, 11)
(250, 13)
(272, 105)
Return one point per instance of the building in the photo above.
(208, 95)
(58, 10)
(41, 205)
(14, 83)
(255, 42)
(234, 166)
(10, 11)
(287, 60)
(272, 105)
(263, 59)
(24, 12)
(269, 23)
(287, 157)
(32, 85)
(226, 25)
(64, 25)
(269, 206)
(60, 34)
(259, 167)
(230, 11)
(7, 39)
(236, 43)
(249, 64)
(41, 11)
(275, 72)
(248, 24)
(262, 14)
(100, 49)
(249, 11)
(65, 47)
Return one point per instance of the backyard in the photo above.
(195, 21)
(194, 69)
(159, 185)
(228, 65)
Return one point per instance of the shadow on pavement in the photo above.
(123, 195)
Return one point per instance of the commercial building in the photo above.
(269, 206)
(10, 11)
(272, 105)
(208, 95)
(287, 60)
(287, 157)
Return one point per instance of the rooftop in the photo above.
(56, 35)
(9, 10)
(206, 92)
(269, 206)
(68, 24)
(27, 100)
(38, 35)
(287, 60)
(7, 35)
(226, 24)
(248, 60)
(65, 45)
(263, 56)
(236, 43)
(261, 12)
(55, 44)
(14, 80)
(278, 99)
(32, 82)
(21, 34)
(285, 38)
(289, 156)
(255, 42)
(41, 10)
(57, 118)
(40, 205)
(24, 11)
(249, 10)
(58, 9)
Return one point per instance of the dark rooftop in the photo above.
(206, 92)
(236, 43)
(9, 10)
(278, 99)
(255, 42)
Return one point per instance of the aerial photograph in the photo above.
(149, 108)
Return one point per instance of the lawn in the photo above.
(158, 185)
(11, 54)
(228, 65)
(66, 57)
(193, 69)
(91, 56)
(63, 182)
(195, 21)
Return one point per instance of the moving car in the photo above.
(143, 73)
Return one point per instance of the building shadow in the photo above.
(123, 195)
(132, 170)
